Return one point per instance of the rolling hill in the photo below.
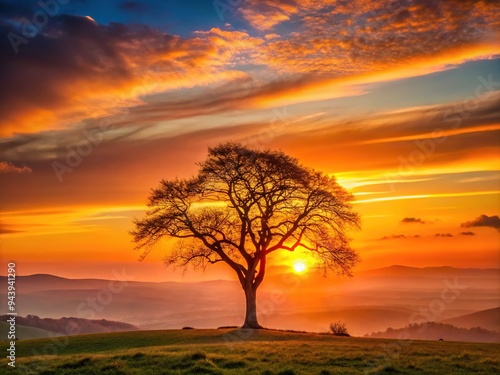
(69, 326)
(370, 301)
(439, 331)
(24, 332)
(488, 319)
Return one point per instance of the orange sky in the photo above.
(400, 106)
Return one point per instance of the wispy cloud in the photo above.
(446, 235)
(412, 220)
(6, 167)
(400, 237)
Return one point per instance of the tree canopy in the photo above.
(245, 204)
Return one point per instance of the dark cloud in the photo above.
(47, 71)
(134, 6)
(4, 229)
(483, 221)
(6, 167)
(74, 66)
(10, 9)
(467, 233)
(399, 237)
(410, 220)
(443, 235)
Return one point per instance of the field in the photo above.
(233, 351)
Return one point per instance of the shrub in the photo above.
(338, 329)
(198, 356)
(187, 328)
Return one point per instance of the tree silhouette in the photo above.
(245, 204)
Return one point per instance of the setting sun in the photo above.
(299, 266)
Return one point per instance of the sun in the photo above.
(299, 266)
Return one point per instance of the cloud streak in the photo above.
(6, 167)
(412, 220)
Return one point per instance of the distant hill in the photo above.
(70, 326)
(358, 320)
(437, 331)
(440, 272)
(25, 333)
(488, 319)
(370, 301)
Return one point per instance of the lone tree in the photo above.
(245, 204)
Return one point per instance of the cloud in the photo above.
(467, 233)
(448, 235)
(265, 22)
(5, 229)
(6, 167)
(272, 36)
(483, 221)
(265, 14)
(360, 36)
(133, 6)
(75, 68)
(399, 237)
(357, 140)
(410, 220)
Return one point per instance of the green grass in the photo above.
(25, 332)
(221, 352)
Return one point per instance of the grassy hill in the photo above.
(70, 325)
(247, 352)
(25, 332)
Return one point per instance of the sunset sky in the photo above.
(100, 100)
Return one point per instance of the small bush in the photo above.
(339, 329)
(227, 327)
(74, 365)
(198, 355)
(187, 328)
(233, 364)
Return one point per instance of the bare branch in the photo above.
(245, 204)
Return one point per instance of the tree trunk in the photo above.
(251, 308)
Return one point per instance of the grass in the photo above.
(233, 352)
(25, 332)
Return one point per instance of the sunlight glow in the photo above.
(299, 266)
